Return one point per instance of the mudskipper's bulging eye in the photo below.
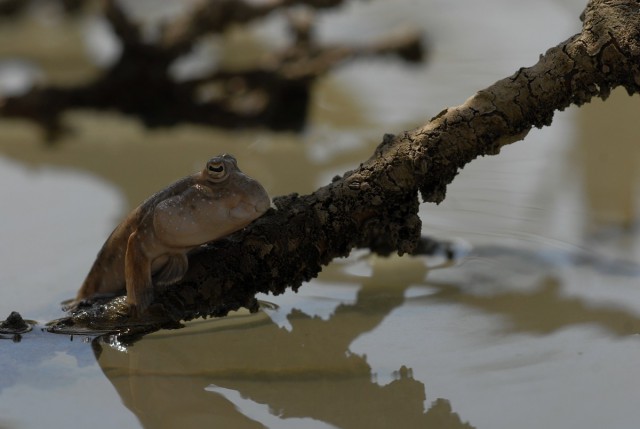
(217, 171)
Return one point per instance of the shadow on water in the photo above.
(305, 372)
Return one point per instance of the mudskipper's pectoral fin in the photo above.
(137, 270)
(172, 271)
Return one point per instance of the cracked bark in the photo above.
(375, 206)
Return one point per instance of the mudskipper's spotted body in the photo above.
(150, 246)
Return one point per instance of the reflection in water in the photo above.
(223, 371)
(545, 310)
(308, 372)
(21, 362)
(543, 307)
(608, 155)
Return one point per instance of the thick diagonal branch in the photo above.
(376, 205)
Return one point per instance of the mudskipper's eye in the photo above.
(216, 170)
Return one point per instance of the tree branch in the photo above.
(376, 205)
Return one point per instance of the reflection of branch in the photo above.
(307, 371)
(274, 94)
(376, 205)
(523, 310)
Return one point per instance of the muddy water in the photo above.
(535, 325)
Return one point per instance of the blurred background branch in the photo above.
(274, 92)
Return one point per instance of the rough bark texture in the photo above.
(376, 205)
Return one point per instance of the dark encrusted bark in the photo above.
(376, 205)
